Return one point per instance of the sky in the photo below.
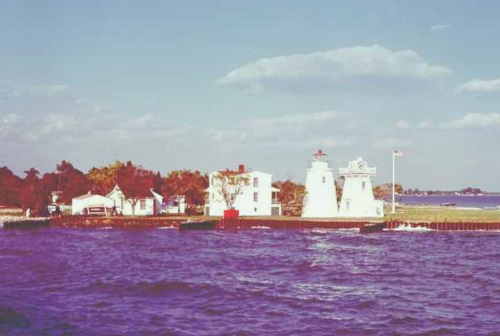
(208, 85)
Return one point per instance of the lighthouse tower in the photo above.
(320, 200)
(357, 196)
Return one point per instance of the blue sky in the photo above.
(210, 84)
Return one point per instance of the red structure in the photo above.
(231, 213)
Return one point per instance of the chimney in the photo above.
(241, 168)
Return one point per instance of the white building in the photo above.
(174, 205)
(82, 204)
(249, 192)
(320, 200)
(148, 203)
(357, 196)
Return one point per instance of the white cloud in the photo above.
(8, 90)
(148, 126)
(47, 90)
(475, 120)
(401, 124)
(373, 68)
(290, 131)
(480, 85)
(297, 119)
(45, 116)
(426, 124)
(439, 27)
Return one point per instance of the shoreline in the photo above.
(249, 223)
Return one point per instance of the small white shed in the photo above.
(89, 200)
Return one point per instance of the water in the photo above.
(482, 201)
(254, 282)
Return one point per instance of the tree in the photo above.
(191, 185)
(103, 179)
(339, 187)
(384, 191)
(291, 196)
(135, 182)
(229, 184)
(71, 181)
(10, 188)
(48, 183)
(29, 189)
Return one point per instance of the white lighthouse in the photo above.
(357, 196)
(320, 200)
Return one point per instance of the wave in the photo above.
(259, 227)
(409, 227)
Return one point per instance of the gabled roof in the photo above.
(88, 195)
(140, 193)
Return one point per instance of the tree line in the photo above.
(34, 191)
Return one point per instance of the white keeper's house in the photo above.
(249, 192)
(146, 203)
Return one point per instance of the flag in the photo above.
(397, 152)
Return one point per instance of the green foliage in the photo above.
(384, 191)
(187, 183)
(103, 179)
(291, 196)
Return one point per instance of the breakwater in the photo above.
(443, 226)
(294, 223)
(28, 223)
(245, 223)
(116, 222)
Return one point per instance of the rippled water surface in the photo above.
(255, 282)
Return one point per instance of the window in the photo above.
(142, 204)
(255, 197)
(363, 185)
(255, 182)
(347, 205)
(324, 179)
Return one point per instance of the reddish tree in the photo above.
(29, 189)
(10, 188)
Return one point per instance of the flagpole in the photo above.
(393, 181)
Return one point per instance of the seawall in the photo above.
(243, 223)
(444, 226)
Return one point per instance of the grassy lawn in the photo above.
(4, 211)
(442, 214)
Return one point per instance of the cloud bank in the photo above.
(300, 131)
(373, 69)
(480, 85)
(476, 121)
